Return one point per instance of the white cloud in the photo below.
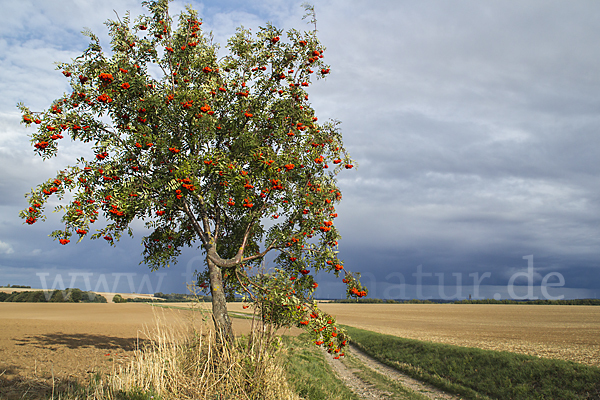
(6, 248)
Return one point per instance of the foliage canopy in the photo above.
(225, 154)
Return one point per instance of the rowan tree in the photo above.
(223, 154)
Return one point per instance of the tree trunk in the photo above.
(219, 304)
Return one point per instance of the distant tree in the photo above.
(227, 153)
(99, 299)
(117, 298)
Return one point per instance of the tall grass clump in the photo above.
(184, 360)
(178, 362)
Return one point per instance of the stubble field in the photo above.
(73, 341)
(562, 332)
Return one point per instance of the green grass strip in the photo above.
(309, 375)
(477, 373)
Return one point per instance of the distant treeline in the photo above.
(574, 302)
(16, 286)
(56, 296)
(174, 298)
(380, 301)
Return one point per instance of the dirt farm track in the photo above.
(74, 340)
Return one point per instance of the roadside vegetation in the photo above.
(481, 374)
(309, 374)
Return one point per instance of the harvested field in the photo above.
(74, 341)
(562, 332)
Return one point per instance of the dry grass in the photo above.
(179, 362)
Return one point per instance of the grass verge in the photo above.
(481, 374)
(308, 373)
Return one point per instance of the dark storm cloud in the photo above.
(475, 125)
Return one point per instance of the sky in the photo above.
(475, 126)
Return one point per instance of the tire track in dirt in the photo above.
(368, 392)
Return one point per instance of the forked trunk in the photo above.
(219, 304)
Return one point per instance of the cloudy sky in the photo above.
(475, 126)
